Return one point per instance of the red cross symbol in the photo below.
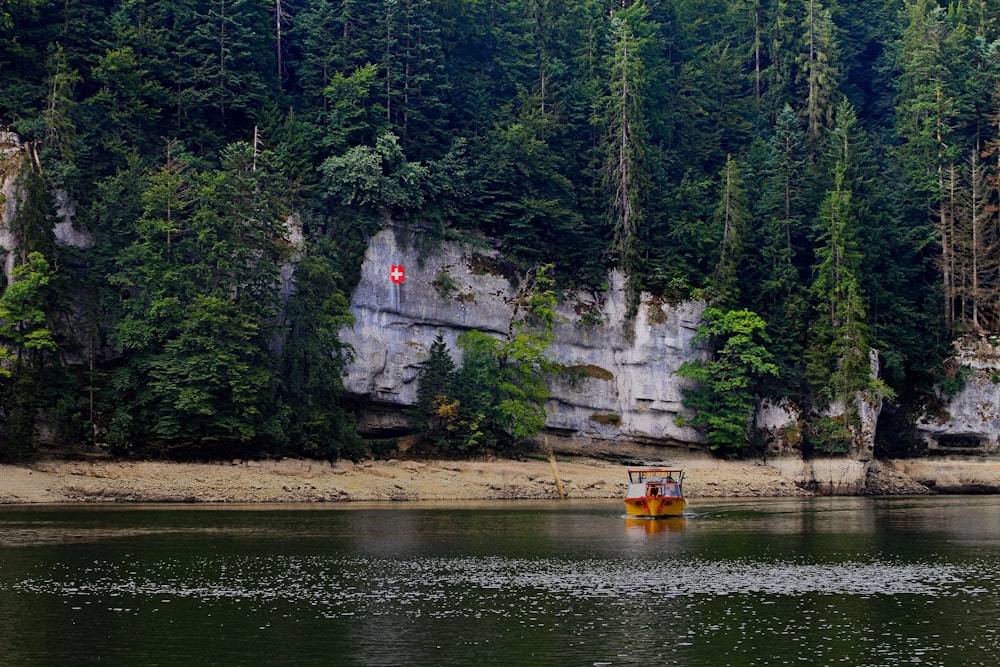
(397, 274)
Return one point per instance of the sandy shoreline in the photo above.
(292, 480)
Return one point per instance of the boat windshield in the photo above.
(664, 489)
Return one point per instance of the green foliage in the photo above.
(445, 285)
(60, 130)
(830, 435)
(587, 370)
(350, 120)
(529, 200)
(591, 318)
(731, 216)
(199, 307)
(30, 375)
(723, 399)
(26, 351)
(838, 354)
(23, 321)
(518, 363)
(779, 265)
(623, 120)
(691, 144)
(838, 357)
(436, 415)
(313, 360)
(497, 398)
(378, 178)
(954, 380)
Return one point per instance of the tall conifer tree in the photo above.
(732, 215)
(623, 115)
(783, 253)
(819, 68)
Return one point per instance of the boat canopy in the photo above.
(640, 475)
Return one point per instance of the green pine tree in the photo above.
(436, 416)
(315, 422)
(779, 289)
(506, 378)
(732, 215)
(197, 326)
(27, 352)
(819, 65)
(625, 141)
(723, 398)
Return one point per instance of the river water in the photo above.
(826, 581)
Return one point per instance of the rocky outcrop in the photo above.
(620, 395)
(66, 231)
(959, 437)
(825, 476)
(967, 419)
(840, 476)
(782, 425)
(618, 386)
(949, 474)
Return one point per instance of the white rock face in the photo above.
(65, 230)
(779, 422)
(624, 389)
(12, 158)
(969, 421)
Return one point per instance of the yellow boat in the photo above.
(655, 492)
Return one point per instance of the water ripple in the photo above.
(356, 585)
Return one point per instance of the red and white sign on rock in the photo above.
(397, 274)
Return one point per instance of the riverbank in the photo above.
(293, 480)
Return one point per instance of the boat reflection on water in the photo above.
(651, 525)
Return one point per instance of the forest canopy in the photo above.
(830, 166)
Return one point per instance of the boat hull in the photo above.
(654, 506)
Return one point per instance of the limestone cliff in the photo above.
(624, 395)
(621, 389)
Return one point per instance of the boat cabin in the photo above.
(651, 483)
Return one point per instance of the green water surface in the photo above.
(739, 582)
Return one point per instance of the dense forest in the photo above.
(829, 166)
